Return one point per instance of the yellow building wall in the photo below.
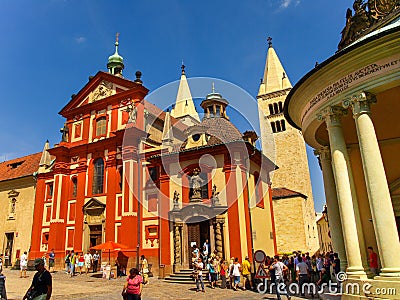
(289, 224)
(21, 225)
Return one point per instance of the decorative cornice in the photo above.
(274, 94)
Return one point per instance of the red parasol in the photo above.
(109, 246)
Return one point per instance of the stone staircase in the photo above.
(183, 277)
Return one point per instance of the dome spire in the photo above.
(115, 63)
(184, 108)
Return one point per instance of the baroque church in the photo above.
(161, 182)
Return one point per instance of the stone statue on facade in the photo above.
(214, 196)
(64, 131)
(133, 115)
(176, 200)
(196, 182)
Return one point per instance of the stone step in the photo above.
(181, 282)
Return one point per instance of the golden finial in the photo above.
(116, 37)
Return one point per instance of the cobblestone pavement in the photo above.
(89, 287)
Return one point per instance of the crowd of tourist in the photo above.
(299, 268)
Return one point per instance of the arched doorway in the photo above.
(198, 229)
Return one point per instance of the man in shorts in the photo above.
(246, 273)
(88, 261)
(23, 264)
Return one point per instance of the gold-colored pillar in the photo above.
(377, 188)
(335, 225)
(340, 169)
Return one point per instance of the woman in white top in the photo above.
(236, 270)
(23, 263)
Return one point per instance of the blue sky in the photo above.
(51, 47)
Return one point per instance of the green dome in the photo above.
(115, 58)
(115, 62)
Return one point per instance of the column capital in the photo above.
(324, 153)
(360, 103)
(332, 115)
(178, 224)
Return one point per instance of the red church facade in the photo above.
(124, 172)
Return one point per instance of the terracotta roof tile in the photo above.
(157, 112)
(279, 193)
(20, 167)
(222, 129)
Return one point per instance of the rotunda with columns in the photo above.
(348, 110)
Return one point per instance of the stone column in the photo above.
(340, 168)
(335, 225)
(218, 235)
(377, 188)
(177, 244)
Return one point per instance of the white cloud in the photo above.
(286, 3)
(80, 39)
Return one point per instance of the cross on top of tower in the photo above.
(213, 87)
(269, 40)
(116, 37)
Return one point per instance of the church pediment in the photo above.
(99, 87)
(191, 211)
(93, 207)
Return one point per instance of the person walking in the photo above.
(336, 264)
(144, 270)
(280, 268)
(223, 272)
(302, 274)
(23, 264)
(133, 285)
(81, 262)
(213, 272)
(72, 263)
(236, 269)
(96, 259)
(373, 260)
(52, 258)
(88, 261)
(198, 266)
(246, 273)
(41, 287)
(1, 263)
(67, 261)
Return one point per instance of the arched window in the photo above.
(276, 110)
(271, 109)
(273, 127)
(74, 186)
(280, 106)
(283, 125)
(101, 126)
(278, 126)
(98, 176)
